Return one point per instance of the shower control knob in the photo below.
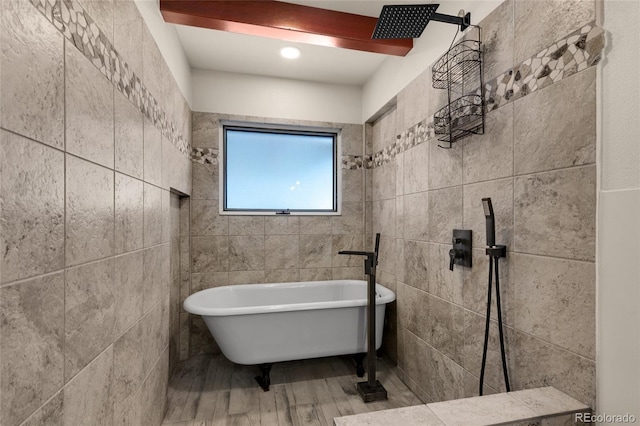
(453, 255)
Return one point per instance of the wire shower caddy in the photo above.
(459, 71)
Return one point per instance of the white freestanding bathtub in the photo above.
(267, 323)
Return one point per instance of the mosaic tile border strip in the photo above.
(204, 155)
(354, 162)
(78, 27)
(576, 52)
(210, 156)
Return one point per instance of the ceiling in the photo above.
(249, 54)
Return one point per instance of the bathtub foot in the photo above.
(264, 381)
(360, 363)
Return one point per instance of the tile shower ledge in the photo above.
(505, 408)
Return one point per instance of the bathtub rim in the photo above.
(190, 304)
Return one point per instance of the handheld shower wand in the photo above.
(494, 252)
(491, 226)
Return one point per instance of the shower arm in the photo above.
(463, 21)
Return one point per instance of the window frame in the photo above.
(284, 129)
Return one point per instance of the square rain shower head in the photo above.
(403, 21)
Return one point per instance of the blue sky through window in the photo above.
(279, 171)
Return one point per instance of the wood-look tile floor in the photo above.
(207, 391)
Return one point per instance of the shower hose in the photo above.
(486, 330)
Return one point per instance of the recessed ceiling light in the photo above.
(290, 52)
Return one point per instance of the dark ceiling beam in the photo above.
(284, 21)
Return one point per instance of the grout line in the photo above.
(64, 236)
(34, 277)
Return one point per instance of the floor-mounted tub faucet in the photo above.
(372, 389)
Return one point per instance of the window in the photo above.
(279, 170)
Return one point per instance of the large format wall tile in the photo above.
(497, 39)
(32, 212)
(152, 63)
(568, 136)
(129, 213)
(154, 393)
(501, 194)
(32, 81)
(445, 328)
(128, 353)
(445, 166)
(246, 277)
(416, 255)
(490, 156)
(205, 130)
(384, 130)
(279, 225)
(540, 23)
(473, 346)
(127, 411)
(89, 313)
(205, 219)
(445, 379)
(129, 290)
(127, 33)
(152, 154)
(155, 331)
(89, 109)
(315, 225)
(315, 274)
(315, 251)
(415, 358)
(384, 182)
(246, 225)
(416, 167)
(555, 213)
(351, 219)
(152, 206)
(281, 251)
(51, 413)
(536, 363)
(399, 174)
(351, 139)
(89, 211)
(205, 181)
(388, 257)
(474, 294)
(413, 105)
(156, 265)
(171, 158)
(281, 275)
(555, 301)
(246, 253)
(129, 140)
(31, 339)
(88, 398)
(416, 216)
(352, 184)
(413, 310)
(346, 242)
(210, 254)
(165, 216)
(444, 283)
(101, 12)
(445, 213)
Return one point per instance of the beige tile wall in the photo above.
(260, 249)
(537, 163)
(87, 221)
